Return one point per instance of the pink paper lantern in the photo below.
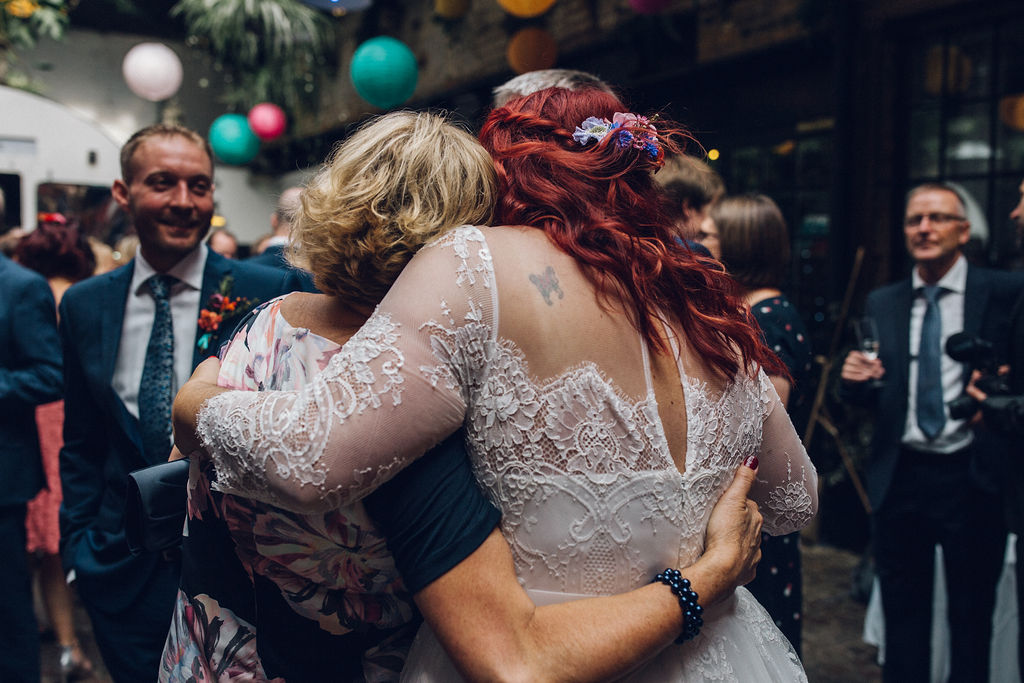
(648, 6)
(267, 120)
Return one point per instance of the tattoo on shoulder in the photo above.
(547, 284)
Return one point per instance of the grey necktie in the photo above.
(158, 374)
(931, 414)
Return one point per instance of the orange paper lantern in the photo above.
(526, 8)
(532, 49)
(1011, 111)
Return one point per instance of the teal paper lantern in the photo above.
(384, 72)
(232, 139)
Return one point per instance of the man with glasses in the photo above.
(929, 481)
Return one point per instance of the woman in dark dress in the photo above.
(748, 235)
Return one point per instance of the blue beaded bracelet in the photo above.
(692, 612)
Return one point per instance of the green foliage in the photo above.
(22, 24)
(273, 50)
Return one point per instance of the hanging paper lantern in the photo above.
(152, 71)
(233, 140)
(531, 49)
(451, 9)
(526, 8)
(384, 72)
(649, 6)
(1011, 111)
(267, 120)
(23, 9)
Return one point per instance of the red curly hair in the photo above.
(599, 204)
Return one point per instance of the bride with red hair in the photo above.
(609, 382)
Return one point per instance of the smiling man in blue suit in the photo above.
(131, 337)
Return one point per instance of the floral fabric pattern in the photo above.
(332, 568)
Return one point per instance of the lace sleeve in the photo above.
(394, 391)
(786, 489)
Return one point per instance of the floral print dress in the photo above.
(325, 583)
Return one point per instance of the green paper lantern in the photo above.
(384, 72)
(232, 139)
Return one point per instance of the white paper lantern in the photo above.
(152, 71)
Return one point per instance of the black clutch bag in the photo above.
(154, 507)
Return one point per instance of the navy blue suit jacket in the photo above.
(988, 299)
(102, 440)
(273, 257)
(30, 374)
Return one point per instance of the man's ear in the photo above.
(965, 234)
(119, 190)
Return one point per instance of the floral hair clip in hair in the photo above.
(633, 131)
(592, 129)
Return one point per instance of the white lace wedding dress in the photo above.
(498, 331)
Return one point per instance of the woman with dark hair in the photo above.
(752, 242)
(62, 255)
(609, 385)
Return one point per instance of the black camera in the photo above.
(977, 354)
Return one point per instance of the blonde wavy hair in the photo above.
(398, 182)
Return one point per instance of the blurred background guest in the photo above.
(30, 375)
(60, 253)
(270, 250)
(691, 188)
(749, 236)
(223, 242)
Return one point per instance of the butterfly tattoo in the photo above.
(547, 284)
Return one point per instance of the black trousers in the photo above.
(19, 637)
(932, 500)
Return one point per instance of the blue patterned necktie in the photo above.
(931, 414)
(158, 374)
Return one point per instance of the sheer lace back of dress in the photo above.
(561, 419)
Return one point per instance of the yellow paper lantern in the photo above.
(532, 49)
(23, 9)
(526, 8)
(1011, 111)
(451, 9)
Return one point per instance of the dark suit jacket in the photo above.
(30, 374)
(1016, 355)
(102, 440)
(988, 298)
(273, 257)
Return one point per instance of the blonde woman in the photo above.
(270, 594)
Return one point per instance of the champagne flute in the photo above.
(867, 341)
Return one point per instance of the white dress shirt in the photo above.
(139, 311)
(956, 434)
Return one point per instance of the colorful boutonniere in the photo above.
(221, 308)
